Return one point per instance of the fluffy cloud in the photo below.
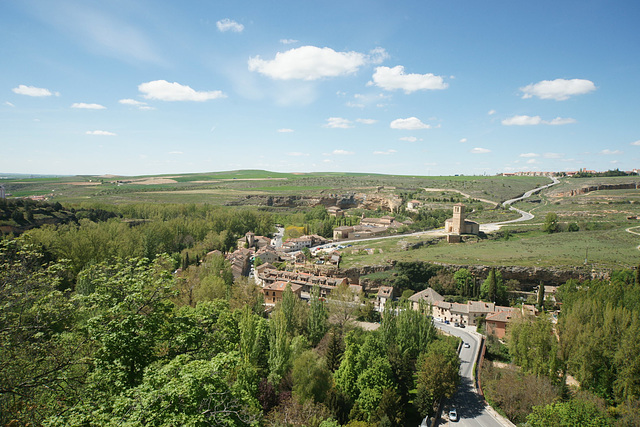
(33, 91)
(100, 133)
(338, 123)
(608, 152)
(463, 140)
(395, 78)
(479, 150)
(84, 106)
(8, 104)
(491, 112)
(288, 41)
(285, 130)
(552, 155)
(412, 123)
(342, 152)
(536, 120)
(384, 153)
(138, 104)
(529, 155)
(635, 142)
(366, 121)
(165, 91)
(229, 25)
(311, 63)
(558, 89)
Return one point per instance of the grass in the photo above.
(614, 248)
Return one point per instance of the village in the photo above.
(275, 266)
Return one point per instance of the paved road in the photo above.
(469, 405)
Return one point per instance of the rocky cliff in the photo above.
(589, 188)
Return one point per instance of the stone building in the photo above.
(458, 224)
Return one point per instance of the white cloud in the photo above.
(552, 155)
(409, 138)
(285, 130)
(138, 104)
(529, 155)
(7, 103)
(85, 106)
(338, 123)
(412, 123)
(177, 153)
(288, 41)
(385, 152)
(377, 55)
(491, 112)
(342, 152)
(366, 121)
(479, 150)
(558, 89)
(297, 154)
(608, 152)
(395, 78)
(308, 63)
(33, 91)
(463, 140)
(536, 120)
(229, 25)
(532, 161)
(561, 121)
(100, 133)
(635, 142)
(165, 91)
(522, 121)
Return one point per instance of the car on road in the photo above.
(447, 322)
(457, 325)
(462, 325)
(453, 415)
(466, 345)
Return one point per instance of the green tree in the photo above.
(551, 224)
(540, 301)
(463, 279)
(493, 288)
(567, 414)
(317, 321)
(437, 375)
(311, 378)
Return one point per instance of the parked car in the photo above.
(462, 325)
(457, 325)
(447, 322)
(453, 415)
(466, 345)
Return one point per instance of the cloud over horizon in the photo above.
(525, 120)
(84, 106)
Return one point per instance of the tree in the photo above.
(437, 375)
(463, 279)
(317, 320)
(566, 414)
(181, 392)
(493, 288)
(533, 345)
(550, 223)
(44, 359)
(130, 310)
(540, 301)
(279, 347)
(311, 378)
(342, 305)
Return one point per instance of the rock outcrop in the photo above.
(589, 188)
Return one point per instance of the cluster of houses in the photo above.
(368, 227)
(496, 317)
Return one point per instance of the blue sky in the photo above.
(400, 87)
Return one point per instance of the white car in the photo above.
(466, 345)
(453, 415)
